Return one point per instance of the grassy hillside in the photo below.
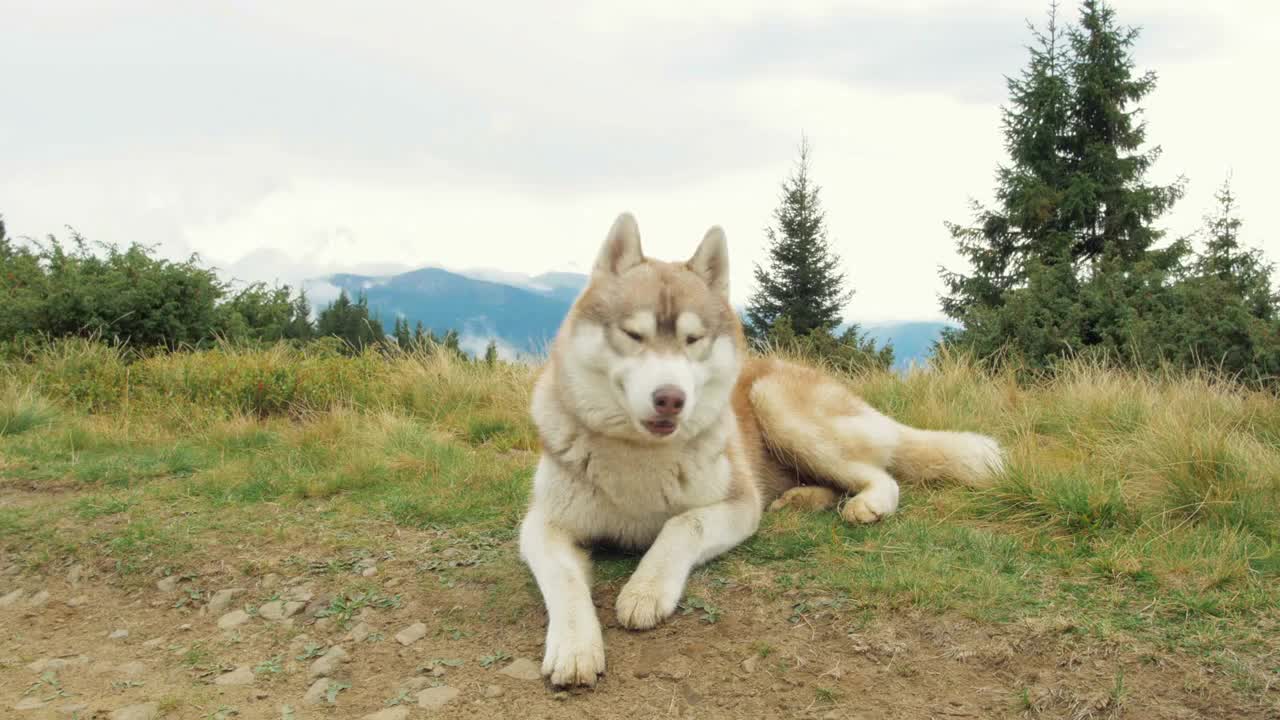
(1140, 514)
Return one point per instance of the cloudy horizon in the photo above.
(276, 138)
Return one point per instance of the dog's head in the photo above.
(652, 349)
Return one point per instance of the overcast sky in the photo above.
(288, 137)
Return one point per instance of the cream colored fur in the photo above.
(748, 431)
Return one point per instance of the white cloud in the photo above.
(509, 136)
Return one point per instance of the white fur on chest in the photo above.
(624, 493)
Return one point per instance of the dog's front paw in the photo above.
(643, 604)
(574, 657)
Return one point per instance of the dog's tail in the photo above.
(932, 455)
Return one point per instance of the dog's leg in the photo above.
(575, 646)
(686, 540)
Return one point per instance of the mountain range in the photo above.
(522, 312)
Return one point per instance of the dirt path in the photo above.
(241, 638)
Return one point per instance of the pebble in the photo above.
(120, 634)
(412, 634)
(369, 572)
(270, 580)
(39, 599)
(233, 619)
(414, 684)
(74, 574)
(360, 633)
(522, 669)
(394, 713)
(143, 711)
(328, 663)
(393, 582)
(11, 599)
(437, 697)
(153, 642)
(77, 601)
(278, 610)
(493, 691)
(749, 665)
(221, 600)
(316, 694)
(168, 584)
(242, 675)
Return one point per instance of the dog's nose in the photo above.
(668, 400)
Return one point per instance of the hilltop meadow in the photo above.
(189, 534)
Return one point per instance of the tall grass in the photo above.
(1137, 503)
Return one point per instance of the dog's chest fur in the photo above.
(621, 492)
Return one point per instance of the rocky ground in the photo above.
(394, 637)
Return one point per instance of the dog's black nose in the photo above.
(668, 400)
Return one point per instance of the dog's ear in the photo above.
(711, 261)
(621, 250)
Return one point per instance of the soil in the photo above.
(760, 658)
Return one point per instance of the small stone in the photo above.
(29, 703)
(221, 600)
(369, 572)
(436, 697)
(153, 642)
(300, 594)
(168, 584)
(185, 627)
(561, 696)
(261, 695)
(242, 675)
(749, 665)
(393, 713)
(832, 715)
(273, 610)
(11, 599)
(360, 633)
(438, 671)
(522, 669)
(120, 634)
(412, 634)
(77, 601)
(270, 580)
(74, 574)
(328, 663)
(393, 583)
(233, 619)
(317, 693)
(493, 691)
(143, 711)
(131, 669)
(39, 599)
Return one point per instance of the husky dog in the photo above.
(659, 432)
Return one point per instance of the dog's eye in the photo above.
(692, 339)
(634, 335)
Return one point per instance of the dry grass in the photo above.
(1144, 507)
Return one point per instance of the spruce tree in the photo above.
(1108, 202)
(1066, 261)
(1026, 221)
(491, 353)
(802, 283)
